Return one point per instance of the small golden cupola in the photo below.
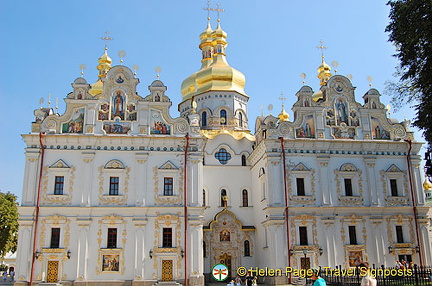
(188, 87)
(104, 66)
(324, 73)
(427, 185)
(283, 115)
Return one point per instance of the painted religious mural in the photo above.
(307, 129)
(378, 132)
(158, 124)
(76, 123)
(118, 103)
(117, 127)
(110, 262)
(355, 258)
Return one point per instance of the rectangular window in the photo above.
(167, 237)
(348, 187)
(399, 234)
(168, 186)
(112, 238)
(58, 185)
(55, 237)
(303, 235)
(352, 234)
(300, 187)
(393, 187)
(114, 186)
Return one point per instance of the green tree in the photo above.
(8, 223)
(410, 30)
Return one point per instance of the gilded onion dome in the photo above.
(324, 75)
(283, 116)
(220, 75)
(104, 66)
(188, 87)
(215, 72)
(427, 185)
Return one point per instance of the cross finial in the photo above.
(218, 10)
(106, 38)
(322, 48)
(282, 98)
(208, 10)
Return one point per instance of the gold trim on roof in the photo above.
(236, 134)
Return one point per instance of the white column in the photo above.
(377, 255)
(324, 179)
(139, 248)
(371, 186)
(196, 259)
(141, 178)
(275, 189)
(31, 173)
(86, 188)
(330, 251)
(24, 253)
(427, 251)
(82, 251)
(416, 177)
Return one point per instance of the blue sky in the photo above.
(272, 42)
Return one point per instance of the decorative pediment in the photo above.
(300, 167)
(60, 164)
(168, 165)
(114, 164)
(225, 217)
(394, 169)
(348, 167)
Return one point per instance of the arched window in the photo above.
(204, 199)
(246, 248)
(243, 160)
(223, 117)
(204, 119)
(223, 198)
(245, 198)
(240, 119)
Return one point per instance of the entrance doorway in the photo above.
(305, 263)
(167, 270)
(226, 259)
(52, 271)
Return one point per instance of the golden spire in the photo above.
(283, 116)
(324, 69)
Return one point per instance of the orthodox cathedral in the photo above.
(117, 191)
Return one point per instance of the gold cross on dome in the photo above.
(282, 98)
(106, 38)
(218, 10)
(208, 9)
(322, 48)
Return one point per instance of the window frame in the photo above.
(167, 241)
(114, 186)
(352, 235)
(55, 237)
(168, 186)
(112, 237)
(303, 235)
(59, 185)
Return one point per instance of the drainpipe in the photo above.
(286, 206)
(185, 209)
(413, 199)
(37, 206)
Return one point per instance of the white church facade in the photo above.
(117, 190)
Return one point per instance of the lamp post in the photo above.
(305, 258)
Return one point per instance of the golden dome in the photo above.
(283, 116)
(427, 185)
(317, 95)
(324, 73)
(218, 75)
(104, 66)
(96, 88)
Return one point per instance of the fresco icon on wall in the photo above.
(355, 258)
(307, 129)
(378, 132)
(76, 123)
(158, 124)
(110, 262)
(117, 127)
(118, 102)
